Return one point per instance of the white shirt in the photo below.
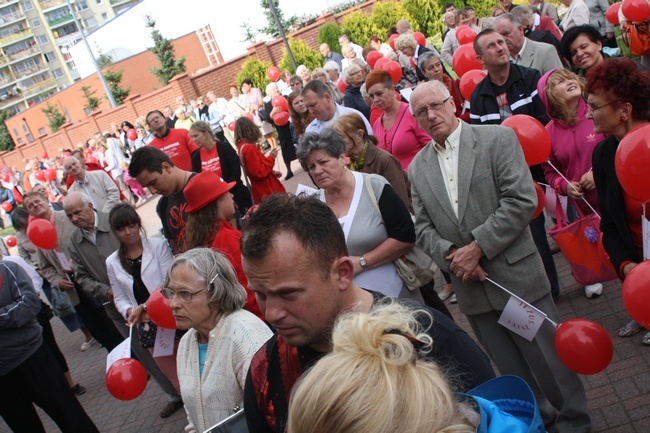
(318, 125)
(448, 160)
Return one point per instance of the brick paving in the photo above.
(619, 397)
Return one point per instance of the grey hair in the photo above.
(269, 87)
(523, 12)
(226, 292)
(81, 196)
(513, 18)
(318, 87)
(332, 66)
(353, 68)
(425, 57)
(301, 68)
(433, 86)
(318, 71)
(405, 40)
(488, 23)
(328, 140)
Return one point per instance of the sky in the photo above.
(175, 18)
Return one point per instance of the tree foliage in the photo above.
(6, 142)
(329, 34)
(426, 14)
(164, 50)
(272, 28)
(302, 54)
(359, 28)
(114, 79)
(54, 116)
(385, 15)
(255, 69)
(92, 102)
(250, 34)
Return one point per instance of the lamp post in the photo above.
(107, 90)
(282, 35)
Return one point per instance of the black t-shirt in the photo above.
(276, 366)
(171, 211)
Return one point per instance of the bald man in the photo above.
(98, 185)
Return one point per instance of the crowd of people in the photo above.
(294, 305)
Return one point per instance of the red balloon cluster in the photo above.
(632, 161)
(280, 101)
(465, 35)
(50, 174)
(132, 134)
(391, 41)
(464, 60)
(420, 38)
(6, 178)
(42, 234)
(273, 73)
(395, 70)
(11, 241)
(92, 160)
(636, 293)
(160, 311)
(126, 379)
(342, 85)
(541, 200)
(40, 175)
(612, 13)
(6, 206)
(379, 64)
(637, 11)
(532, 136)
(372, 58)
(469, 81)
(281, 118)
(583, 346)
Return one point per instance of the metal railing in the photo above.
(16, 36)
(34, 49)
(60, 20)
(48, 4)
(38, 88)
(10, 18)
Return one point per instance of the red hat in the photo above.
(203, 189)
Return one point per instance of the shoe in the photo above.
(453, 299)
(87, 344)
(78, 389)
(288, 176)
(170, 409)
(594, 290)
(630, 329)
(555, 248)
(646, 339)
(446, 293)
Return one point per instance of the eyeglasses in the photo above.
(185, 295)
(436, 106)
(593, 108)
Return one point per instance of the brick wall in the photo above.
(146, 92)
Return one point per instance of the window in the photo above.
(35, 23)
(98, 2)
(30, 138)
(15, 132)
(90, 22)
(50, 57)
(81, 6)
(27, 5)
(24, 125)
(58, 73)
(105, 16)
(42, 131)
(20, 140)
(42, 39)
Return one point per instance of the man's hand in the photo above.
(627, 268)
(109, 294)
(574, 190)
(587, 181)
(66, 284)
(465, 260)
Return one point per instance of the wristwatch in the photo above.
(363, 263)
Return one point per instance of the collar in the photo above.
(523, 48)
(164, 134)
(454, 137)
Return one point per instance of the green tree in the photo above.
(272, 28)
(359, 28)
(6, 142)
(255, 69)
(114, 79)
(426, 14)
(385, 15)
(164, 50)
(303, 55)
(329, 34)
(54, 116)
(103, 60)
(250, 34)
(92, 102)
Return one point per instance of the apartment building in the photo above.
(35, 37)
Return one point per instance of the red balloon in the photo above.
(160, 311)
(248, 115)
(40, 175)
(469, 81)
(11, 241)
(612, 13)
(92, 160)
(231, 126)
(42, 234)
(273, 73)
(636, 11)
(583, 346)
(342, 86)
(126, 379)
(50, 174)
(461, 27)
(465, 36)
(44, 155)
(280, 101)
(636, 293)
(420, 38)
(532, 136)
(541, 200)
(6, 178)
(372, 57)
(132, 134)
(379, 64)
(391, 41)
(465, 60)
(395, 71)
(281, 118)
(631, 162)
(6, 206)
(88, 151)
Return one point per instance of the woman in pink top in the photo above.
(397, 131)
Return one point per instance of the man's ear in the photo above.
(344, 269)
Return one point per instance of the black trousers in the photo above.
(538, 230)
(39, 380)
(94, 316)
(50, 342)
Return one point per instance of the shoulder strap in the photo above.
(371, 193)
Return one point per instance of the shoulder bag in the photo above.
(414, 267)
(61, 303)
(637, 37)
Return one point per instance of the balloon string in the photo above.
(574, 188)
(519, 299)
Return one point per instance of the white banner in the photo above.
(522, 318)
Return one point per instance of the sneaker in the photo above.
(78, 389)
(87, 344)
(453, 299)
(594, 290)
(170, 408)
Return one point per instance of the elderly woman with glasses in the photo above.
(214, 355)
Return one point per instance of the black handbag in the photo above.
(147, 334)
(235, 423)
